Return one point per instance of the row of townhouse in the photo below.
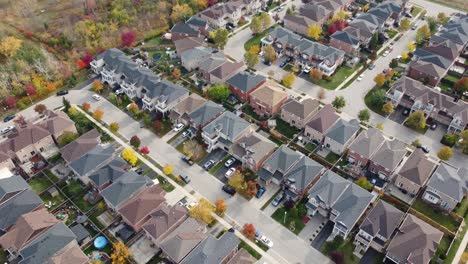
(304, 51)
(115, 68)
(360, 31)
(316, 12)
(220, 14)
(431, 63)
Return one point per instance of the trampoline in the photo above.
(100, 242)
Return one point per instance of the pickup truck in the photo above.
(188, 160)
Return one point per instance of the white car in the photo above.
(6, 130)
(307, 69)
(386, 53)
(266, 241)
(229, 162)
(230, 172)
(96, 97)
(360, 77)
(178, 127)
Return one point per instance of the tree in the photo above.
(464, 141)
(425, 31)
(192, 149)
(11, 101)
(249, 231)
(86, 106)
(379, 80)
(416, 120)
(133, 108)
(331, 29)
(120, 254)
(168, 169)
(40, 108)
(321, 94)
(220, 206)
(67, 137)
(364, 115)
(364, 183)
(176, 73)
(10, 45)
(270, 53)
(411, 47)
(432, 23)
(379, 126)
(220, 37)
(114, 127)
(394, 63)
(87, 59)
(388, 108)
(365, 8)
(314, 32)
(203, 211)
(405, 25)
(97, 86)
(200, 4)
(135, 141)
(251, 188)
(340, 15)
(144, 150)
(256, 25)
(219, 92)
(129, 156)
(30, 89)
(339, 102)
(237, 181)
(180, 12)
(404, 55)
(374, 42)
(315, 74)
(441, 18)
(377, 98)
(265, 20)
(337, 257)
(127, 38)
(66, 105)
(445, 153)
(97, 114)
(339, 24)
(461, 86)
(251, 59)
(288, 79)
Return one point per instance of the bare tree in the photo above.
(321, 94)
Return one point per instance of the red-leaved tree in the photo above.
(11, 101)
(80, 63)
(30, 89)
(249, 231)
(331, 29)
(127, 38)
(211, 2)
(339, 25)
(145, 150)
(87, 59)
(157, 125)
(86, 106)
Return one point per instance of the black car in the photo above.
(139, 171)
(283, 64)
(229, 189)
(63, 92)
(8, 118)
(267, 63)
(187, 160)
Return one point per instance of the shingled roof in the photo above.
(417, 168)
(382, 220)
(323, 119)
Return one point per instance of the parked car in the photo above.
(186, 134)
(229, 162)
(178, 127)
(283, 64)
(191, 205)
(372, 66)
(6, 130)
(230, 172)
(139, 171)
(408, 15)
(360, 77)
(278, 199)
(267, 63)
(229, 189)
(208, 164)
(9, 117)
(260, 192)
(424, 148)
(188, 160)
(96, 97)
(182, 202)
(266, 241)
(63, 92)
(414, 27)
(307, 69)
(185, 178)
(385, 54)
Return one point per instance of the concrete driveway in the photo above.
(322, 236)
(216, 155)
(220, 173)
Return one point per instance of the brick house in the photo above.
(244, 83)
(414, 174)
(387, 158)
(298, 113)
(320, 123)
(364, 146)
(267, 100)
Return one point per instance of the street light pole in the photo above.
(284, 221)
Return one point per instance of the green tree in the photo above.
(256, 25)
(364, 183)
(379, 126)
(445, 153)
(378, 98)
(464, 141)
(394, 63)
(405, 25)
(416, 120)
(432, 23)
(388, 108)
(442, 18)
(288, 79)
(374, 42)
(113, 97)
(220, 37)
(218, 92)
(270, 53)
(339, 102)
(114, 127)
(364, 115)
(66, 104)
(314, 32)
(265, 20)
(251, 59)
(379, 80)
(67, 137)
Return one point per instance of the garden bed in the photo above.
(284, 128)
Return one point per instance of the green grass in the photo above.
(392, 33)
(346, 249)
(368, 101)
(262, 246)
(442, 249)
(332, 157)
(73, 188)
(284, 128)
(51, 176)
(167, 187)
(416, 10)
(58, 199)
(338, 77)
(3, 256)
(95, 214)
(39, 183)
(81, 202)
(256, 40)
(278, 215)
(463, 207)
(249, 249)
(456, 244)
(452, 78)
(445, 220)
(310, 147)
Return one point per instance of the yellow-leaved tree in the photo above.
(314, 32)
(129, 156)
(203, 211)
(10, 45)
(168, 169)
(120, 254)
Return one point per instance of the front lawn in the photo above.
(338, 77)
(39, 183)
(445, 220)
(165, 185)
(284, 128)
(256, 40)
(279, 216)
(345, 248)
(392, 33)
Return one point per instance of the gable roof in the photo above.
(124, 188)
(446, 49)
(165, 91)
(109, 172)
(164, 219)
(70, 254)
(367, 142)
(382, 220)
(228, 124)
(183, 28)
(190, 104)
(270, 95)
(246, 81)
(11, 185)
(206, 113)
(199, 54)
(450, 181)
(427, 68)
(303, 173)
(80, 146)
(24, 202)
(323, 119)
(187, 43)
(415, 242)
(226, 69)
(346, 37)
(417, 168)
(213, 250)
(301, 109)
(24, 135)
(282, 159)
(328, 189)
(57, 122)
(142, 204)
(343, 130)
(390, 153)
(253, 146)
(91, 160)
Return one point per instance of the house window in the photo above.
(293, 122)
(33, 152)
(41, 149)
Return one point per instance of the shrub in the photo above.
(449, 139)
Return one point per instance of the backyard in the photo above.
(39, 183)
(52, 202)
(445, 220)
(284, 128)
(332, 157)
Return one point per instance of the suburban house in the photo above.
(252, 150)
(11, 186)
(163, 221)
(298, 113)
(387, 158)
(23, 202)
(180, 113)
(267, 100)
(302, 175)
(430, 68)
(124, 188)
(137, 211)
(91, 161)
(6, 161)
(225, 131)
(205, 114)
(378, 227)
(220, 14)
(415, 172)
(315, 13)
(414, 95)
(57, 123)
(363, 148)
(454, 30)
(182, 30)
(347, 40)
(192, 58)
(320, 123)
(278, 164)
(80, 146)
(447, 187)
(340, 201)
(216, 70)
(340, 135)
(415, 242)
(188, 43)
(244, 83)
(163, 96)
(180, 242)
(305, 52)
(107, 174)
